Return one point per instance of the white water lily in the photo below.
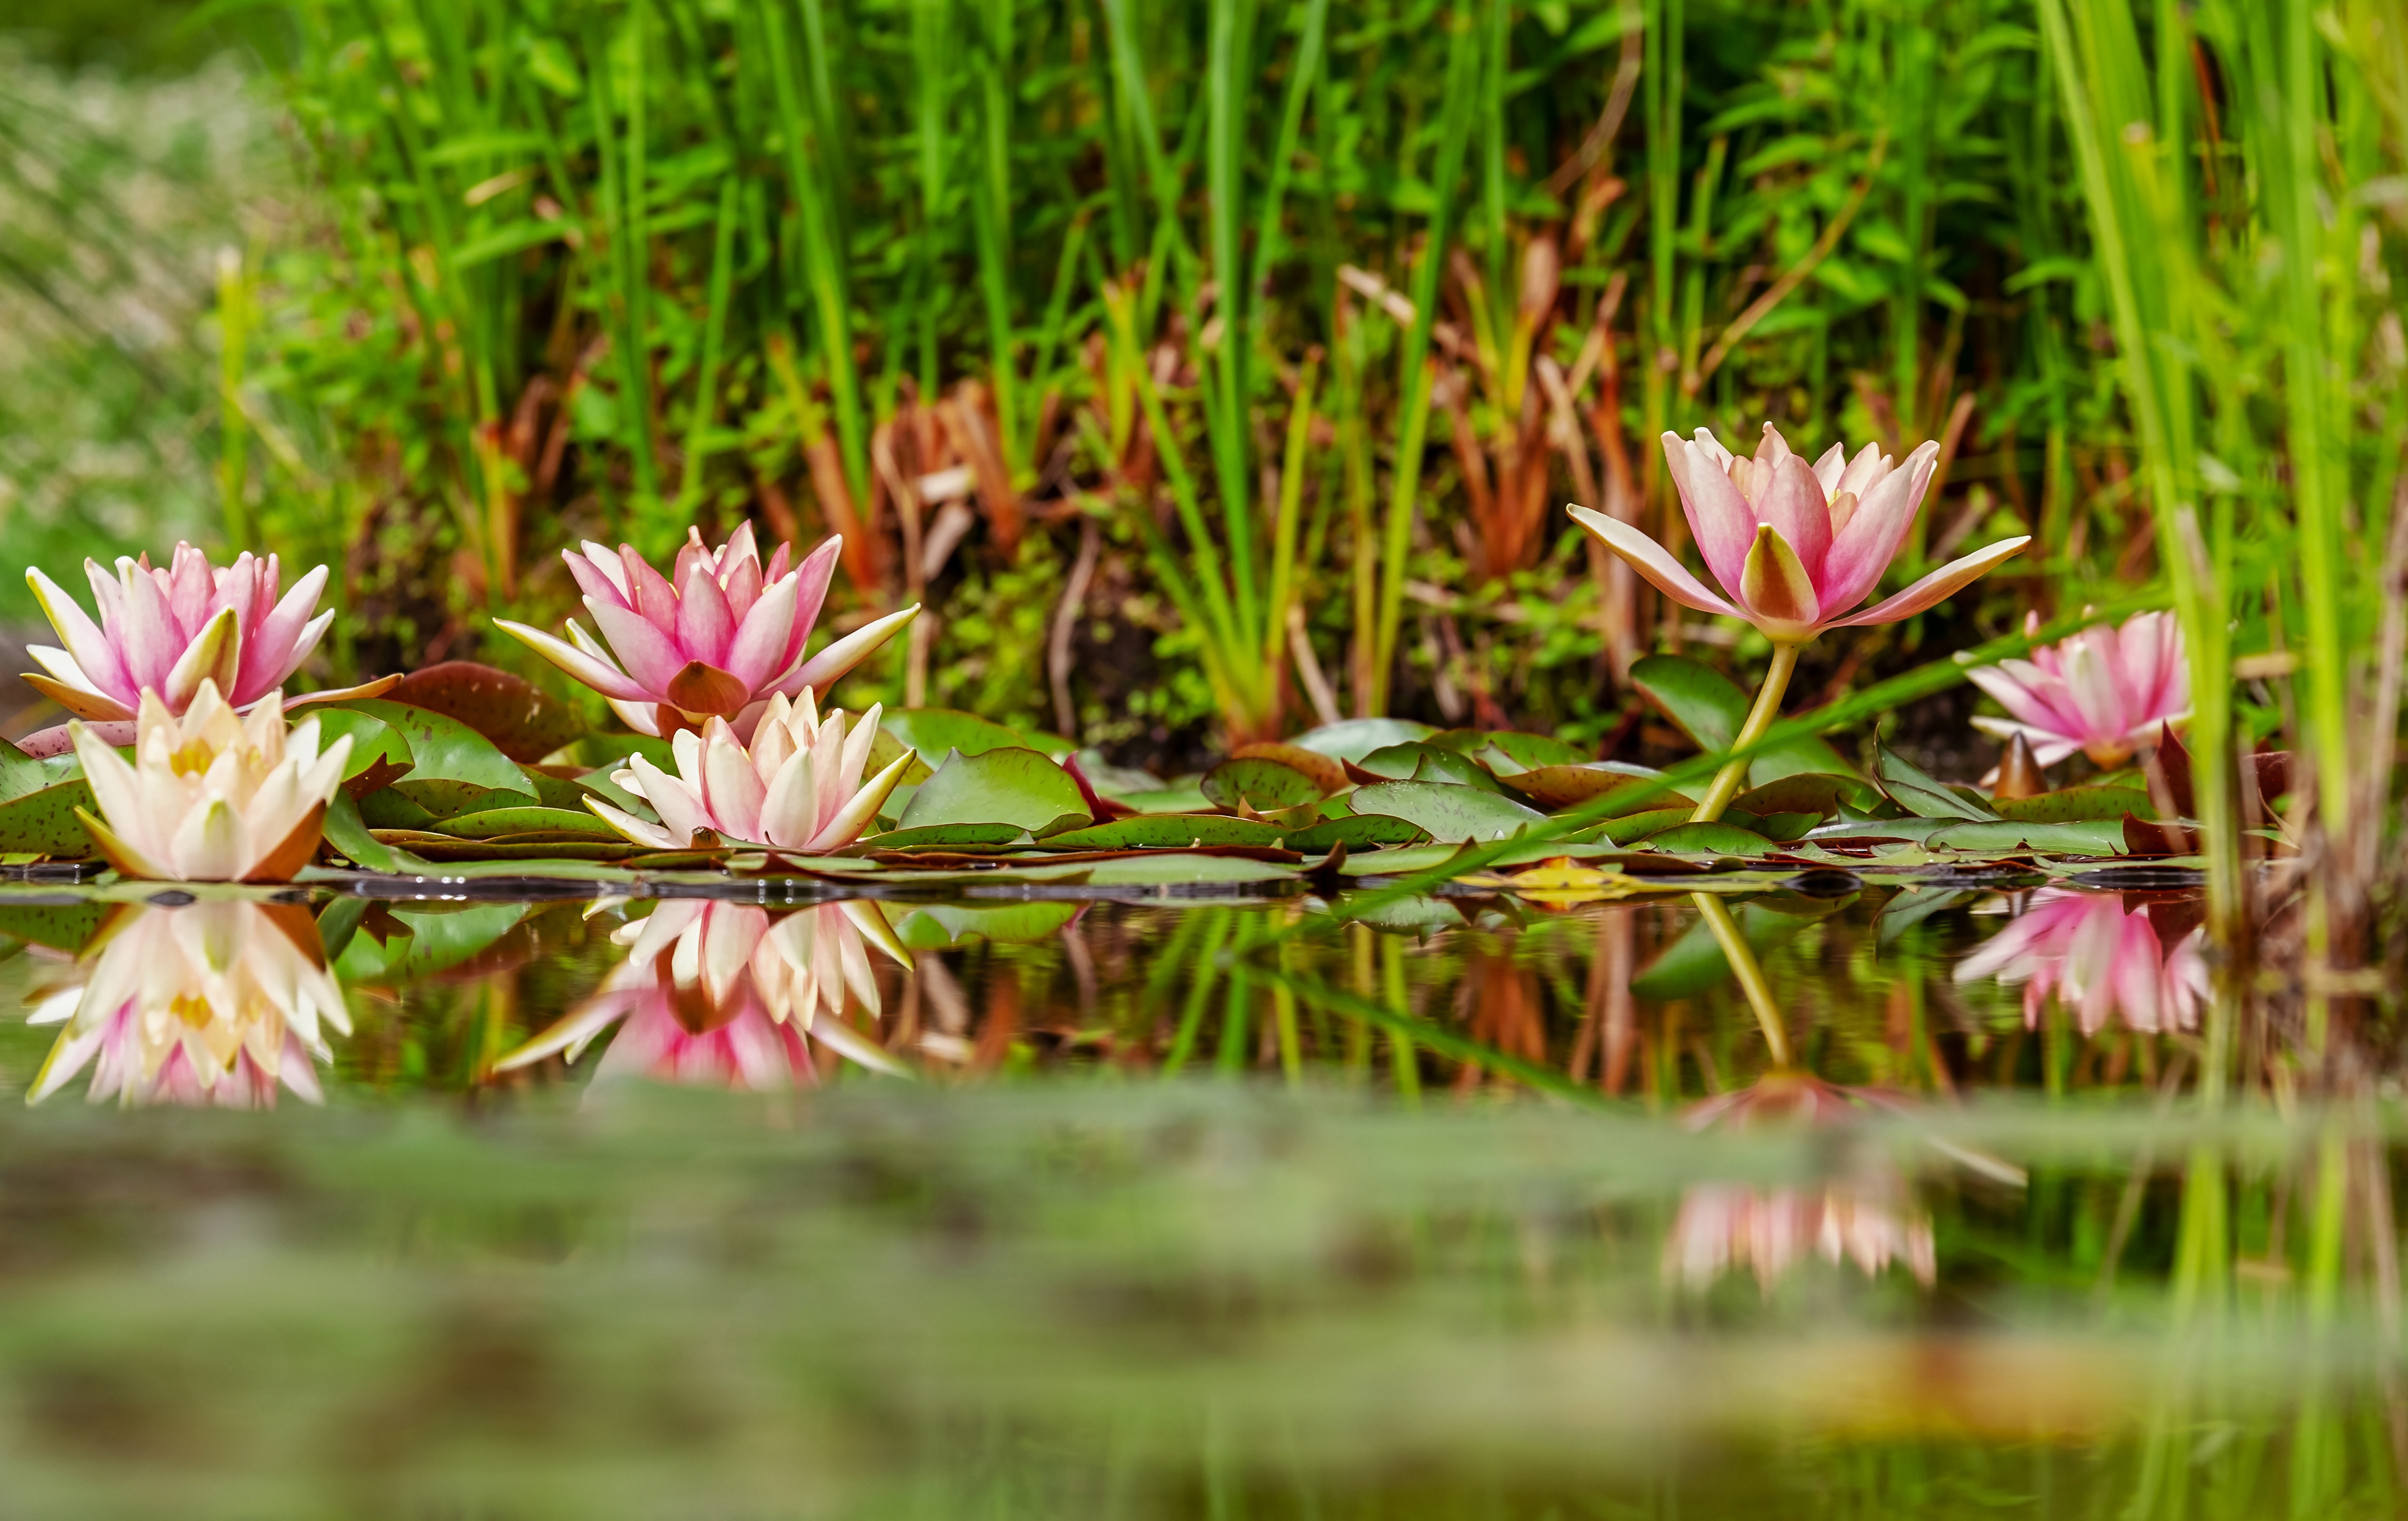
(798, 786)
(211, 797)
(211, 1003)
(719, 994)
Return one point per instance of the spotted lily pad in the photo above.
(1714, 839)
(1165, 831)
(1555, 787)
(2077, 804)
(1006, 785)
(946, 837)
(1262, 783)
(1356, 738)
(1357, 831)
(1450, 813)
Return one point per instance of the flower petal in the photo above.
(823, 669)
(86, 645)
(1775, 590)
(644, 649)
(633, 828)
(595, 673)
(281, 640)
(1652, 561)
(1719, 517)
(214, 656)
(1866, 546)
(1794, 508)
(1937, 586)
(859, 811)
(765, 644)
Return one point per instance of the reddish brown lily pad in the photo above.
(523, 720)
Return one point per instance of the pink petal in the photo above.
(2028, 692)
(598, 574)
(1794, 508)
(1870, 541)
(190, 589)
(1719, 517)
(594, 672)
(739, 548)
(1863, 473)
(1775, 591)
(2048, 746)
(704, 623)
(650, 595)
(825, 668)
(1771, 449)
(85, 643)
(1652, 561)
(150, 644)
(276, 648)
(649, 657)
(761, 649)
(1937, 586)
(1829, 469)
(811, 580)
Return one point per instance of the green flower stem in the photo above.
(1742, 957)
(1759, 718)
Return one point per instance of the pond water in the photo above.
(1476, 1206)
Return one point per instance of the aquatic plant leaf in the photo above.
(1555, 787)
(1165, 831)
(1714, 838)
(1914, 790)
(454, 770)
(2077, 805)
(1266, 785)
(524, 721)
(1007, 786)
(44, 822)
(886, 748)
(379, 756)
(934, 731)
(1991, 836)
(61, 927)
(1505, 752)
(551, 846)
(1780, 828)
(1354, 738)
(1911, 907)
(946, 837)
(1804, 793)
(1167, 869)
(1186, 797)
(492, 823)
(937, 925)
(22, 774)
(1327, 774)
(1695, 962)
(1630, 828)
(1416, 761)
(1450, 813)
(1355, 831)
(401, 944)
(1706, 706)
(348, 833)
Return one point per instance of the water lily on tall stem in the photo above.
(211, 1003)
(720, 995)
(717, 638)
(798, 786)
(1795, 548)
(167, 630)
(2104, 692)
(211, 796)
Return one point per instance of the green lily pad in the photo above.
(2077, 804)
(2097, 837)
(1186, 797)
(347, 833)
(1265, 785)
(455, 769)
(946, 837)
(1712, 839)
(1917, 792)
(1357, 831)
(521, 719)
(935, 731)
(1165, 831)
(44, 822)
(1804, 793)
(400, 945)
(1630, 828)
(1356, 738)
(1705, 705)
(22, 774)
(1415, 761)
(1007, 786)
(1505, 752)
(1173, 869)
(494, 822)
(1450, 813)
(379, 756)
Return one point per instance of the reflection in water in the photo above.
(1871, 1223)
(210, 1003)
(721, 995)
(2104, 957)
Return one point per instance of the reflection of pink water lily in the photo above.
(1795, 546)
(1721, 1227)
(2102, 960)
(720, 995)
(798, 786)
(210, 1003)
(718, 637)
(2104, 692)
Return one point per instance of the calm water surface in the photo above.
(1208, 1207)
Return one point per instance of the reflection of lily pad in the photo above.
(1695, 962)
(940, 924)
(1450, 813)
(1265, 785)
(44, 822)
(61, 927)
(1008, 785)
(1172, 831)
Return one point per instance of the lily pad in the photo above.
(1356, 738)
(1505, 752)
(1803, 792)
(1173, 869)
(1358, 831)
(1917, 792)
(1165, 831)
(347, 833)
(20, 773)
(455, 769)
(524, 721)
(1712, 839)
(1630, 828)
(1327, 774)
(946, 835)
(44, 822)
(1555, 787)
(495, 823)
(1710, 709)
(2092, 838)
(1417, 761)
(2077, 804)
(935, 731)
(1265, 785)
(1450, 813)
(61, 927)
(1007, 786)
(379, 756)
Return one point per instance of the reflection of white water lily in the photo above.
(2102, 960)
(720, 995)
(1721, 1227)
(211, 796)
(210, 1003)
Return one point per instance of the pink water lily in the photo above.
(1795, 548)
(721, 995)
(2103, 692)
(1872, 1222)
(798, 786)
(2105, 961)
(167, 630)
(717, 638)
